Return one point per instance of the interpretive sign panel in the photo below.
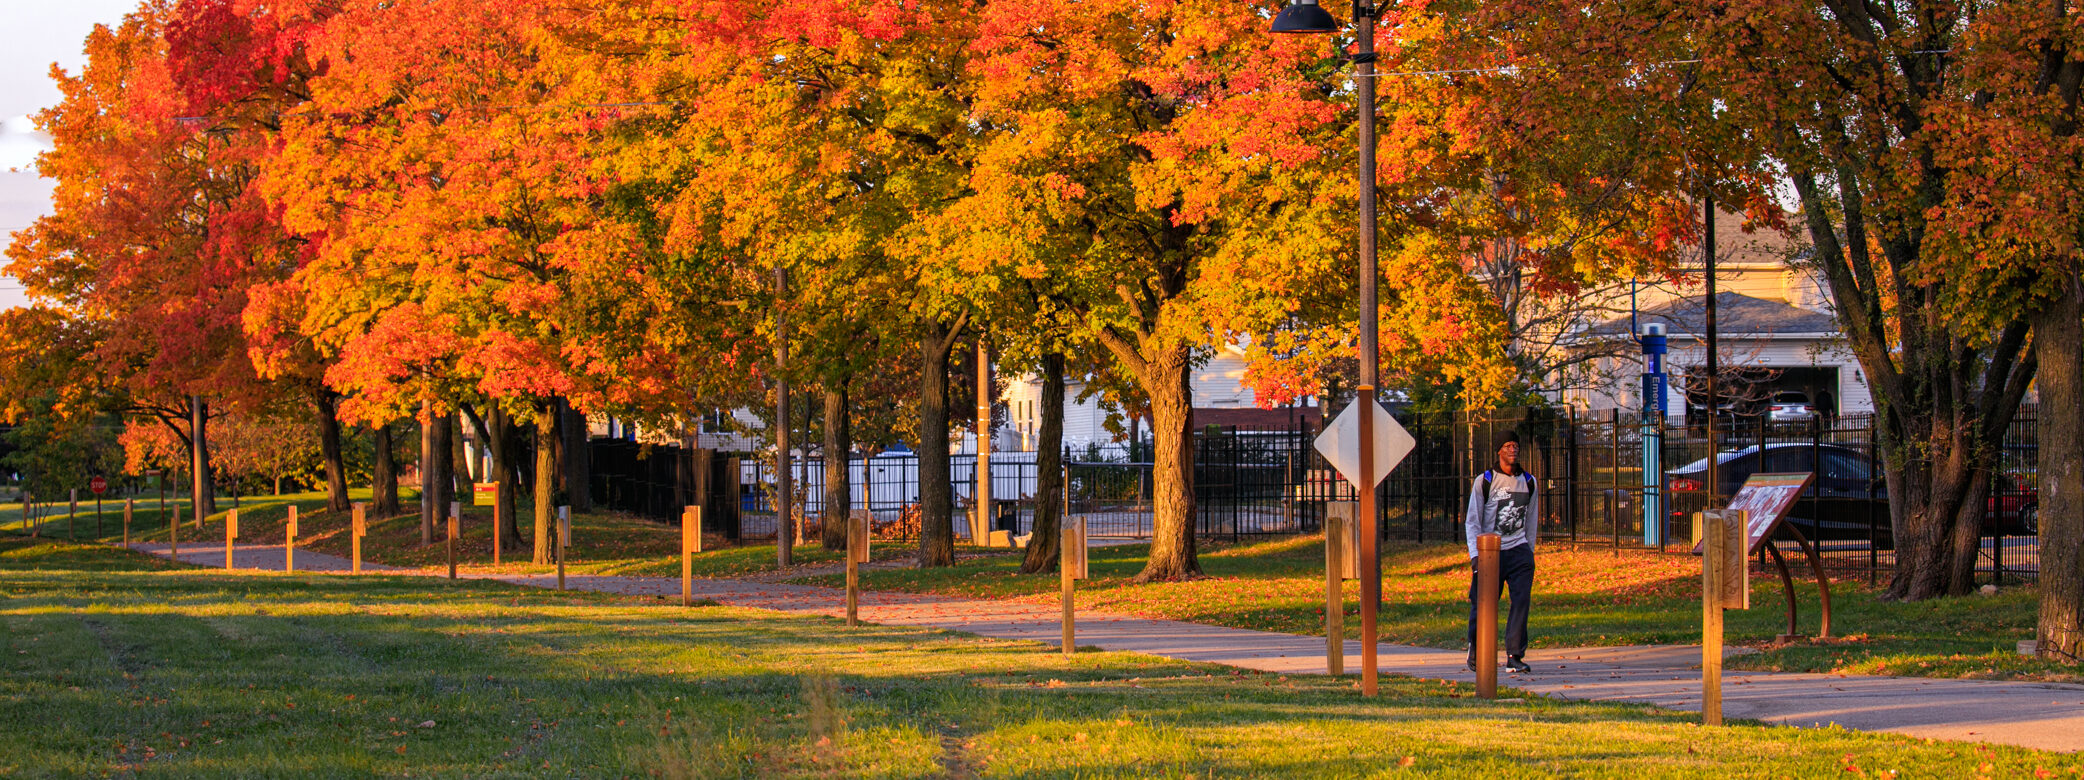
(1765, 500)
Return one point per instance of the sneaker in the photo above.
(1518, 666)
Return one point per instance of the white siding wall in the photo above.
(1220, 383)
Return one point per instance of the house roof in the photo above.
(1735, 315)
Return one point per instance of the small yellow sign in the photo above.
(485, 494)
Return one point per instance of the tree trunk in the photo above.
(506, 474)
(839, 443)
(383, 487)
(1173, 554)
(1043, 543)
(578, 461)
(936, 488)
(2059, 340)
(327, 404)
(1930, 489)
(200, 495)
(545, 476)
(436, 460)
(1965, 542)
(463, 469)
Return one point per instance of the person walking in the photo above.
(1504, 501)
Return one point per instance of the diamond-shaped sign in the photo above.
(1340, 444)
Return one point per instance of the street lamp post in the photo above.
(1305, 16)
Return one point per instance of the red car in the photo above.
(2013, 509)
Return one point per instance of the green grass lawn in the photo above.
(118, 665)
(1582, 597)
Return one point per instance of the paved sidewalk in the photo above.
(2035, 715)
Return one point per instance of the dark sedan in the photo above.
(1845, 502)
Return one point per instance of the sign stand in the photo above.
(1364, 443)
(1765, 500)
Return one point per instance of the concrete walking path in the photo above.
(2046, 716)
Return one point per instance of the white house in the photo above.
(1220, 398)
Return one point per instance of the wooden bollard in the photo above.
(129, 506)
(72, 516)
(356, 527)
(1487, 616)
(289, 541)
(173, 534)
(690, 543)
(1724, 577)
(564, 540)
(857, 554)
(1334, 593)
(1071, 563)
(231, 533)
(455, 526)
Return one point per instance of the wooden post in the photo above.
(498, 531)
(173, 534)
(129, 506)
(564, 540)
(289, 541)
(1068, 571)
(1487, 616)
(1711, 564)
(1334, 593)
(690, 543)
(98, 533)
(72, 517)
(455, 527)
(231, 532)
(358, 526)
(857, 552)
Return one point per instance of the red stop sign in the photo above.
(98, 485)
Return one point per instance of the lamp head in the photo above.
(1304, 16)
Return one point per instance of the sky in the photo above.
(34, 34)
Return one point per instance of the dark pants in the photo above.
(1516, 575)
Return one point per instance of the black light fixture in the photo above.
(1304, 16)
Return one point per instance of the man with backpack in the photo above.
(1505, 501)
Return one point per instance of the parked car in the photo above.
(1847, 498)
(2014, 508)
(1790, 407)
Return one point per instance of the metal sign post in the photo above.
(1364, 443)
(1335, 556)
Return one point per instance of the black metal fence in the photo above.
(1590, 469)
